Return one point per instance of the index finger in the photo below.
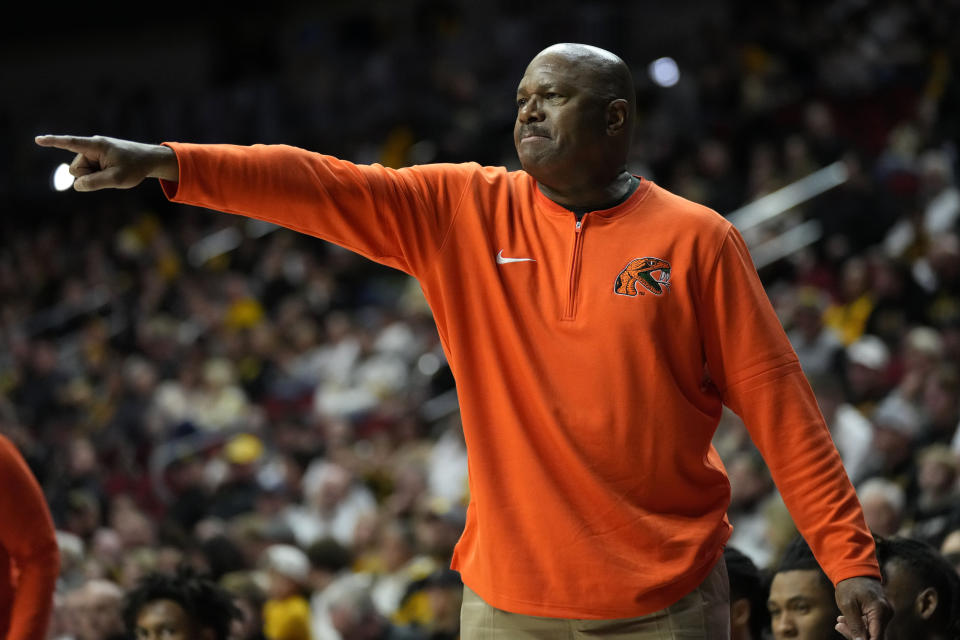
(77, 144)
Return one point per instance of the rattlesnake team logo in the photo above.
(653, 274)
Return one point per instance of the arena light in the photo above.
(664, 72)
(62, 180)
(428, 364)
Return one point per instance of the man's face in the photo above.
(166, 620)
(901, 592)
(560, 125)
(802, 607)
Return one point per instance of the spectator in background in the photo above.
(100, 615)
(896, 428)
(399, 566)
(183, 605)
(355, 617)
(286, 613)
(249, 598)
(801, 601)
(848, 316)
(334, 503)
(817, 346)
(330, 562)
(923, 588)
(851, 431)
(950, 548)
(941, 406)
(865, 373)
(29, 558)
(748, 607)
(883, 503)
(938, 497)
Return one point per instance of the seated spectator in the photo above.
(249, 597)
(896, 429)
(399, 566)
(923, 589)
(433, 604)
(286, 613)
(355, 616)
(334, 502)
(330, 562)
(817, 347)
(865, 372)
(950, 548)
(183, 605)
(801, 601)
(939, 495)
(101, 615)
(848, 315)
(941, 405)
(748, 610)
(851, 431)
(883, 504)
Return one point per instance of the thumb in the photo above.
(110, 178)
(855, 625)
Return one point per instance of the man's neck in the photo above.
(583, 201)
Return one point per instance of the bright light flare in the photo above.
(62, 180)
(664, 72)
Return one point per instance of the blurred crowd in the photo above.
(190, 387)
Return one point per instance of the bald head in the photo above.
(603, 72)
(575, 114)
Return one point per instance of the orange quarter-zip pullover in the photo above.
(580, 354)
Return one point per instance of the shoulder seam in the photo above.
(453, 218)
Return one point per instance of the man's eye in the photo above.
(521, 102)
(553, 96)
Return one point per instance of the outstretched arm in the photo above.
(110, 163)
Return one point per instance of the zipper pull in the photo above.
(579, 224)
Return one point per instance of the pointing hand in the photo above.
(110, 163)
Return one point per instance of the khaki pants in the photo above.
(702, 614)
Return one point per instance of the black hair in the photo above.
(208, 605)
(328, 554)
(746, 581)
(927, 568)
(798, 557)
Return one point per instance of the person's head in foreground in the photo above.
(748, 610)
(179, 606)
(923, 588)
(575, 114)
(801, 600)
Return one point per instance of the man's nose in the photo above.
(784, 627)
(531, 111)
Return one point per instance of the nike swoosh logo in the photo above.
(502, 260)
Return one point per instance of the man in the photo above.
(101, 614)
(923, 589)
(355, 616)
(181, 606)
(29, 558)
(801, 602)
(748, 609)
(595, 324)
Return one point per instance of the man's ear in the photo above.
(739, 612)
(617, 116)
(926, 603)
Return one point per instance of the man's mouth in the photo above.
(532, 134)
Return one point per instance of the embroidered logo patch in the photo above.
(652, 274)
